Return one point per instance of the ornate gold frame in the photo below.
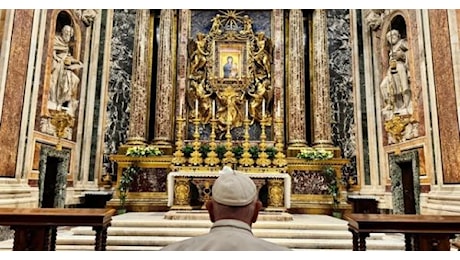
(231, 35)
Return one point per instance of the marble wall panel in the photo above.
(119, 89)
(445, 96)
(414, 31)
(308, 182)
(14, 91)
(150, 180)
(2, 25)
(343, 126)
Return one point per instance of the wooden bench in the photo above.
(35, 229)
(422, 232)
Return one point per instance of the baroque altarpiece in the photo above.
(237, 97)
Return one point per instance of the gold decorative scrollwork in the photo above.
(276, 193)
(229, 66)
(397, 125)
(181, 191)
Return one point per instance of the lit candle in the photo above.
(196, 108)
(180, 106)
(213, 109)
(247, 104)
(263, 107)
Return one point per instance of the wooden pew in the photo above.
(35, 229)
(422, 232)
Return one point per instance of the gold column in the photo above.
(296, 83)
(321, 108)
(166, 72)
(138, 123)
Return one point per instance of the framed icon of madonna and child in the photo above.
(231, 60)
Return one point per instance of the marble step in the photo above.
(150, 231)
(79, 241)
(191, 231)
(147, 243)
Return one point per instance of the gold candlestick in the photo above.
(229, 157)
(263, 160)
(246, 158)
(212, 159)
(195, 158)
(280, 157)
(179, 158)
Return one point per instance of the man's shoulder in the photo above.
(185, 245)
(270, 246)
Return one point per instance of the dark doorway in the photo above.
(49, 188)
(408, 187)
(52, 180)
(405, 182)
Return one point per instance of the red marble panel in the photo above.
(413, 37)
(14, 91)
(445, 95)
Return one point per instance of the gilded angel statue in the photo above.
(197, 54)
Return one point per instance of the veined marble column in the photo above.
(321, 105)
(184, 28)
(278, 67)
(296, 82)
(164, 106)
(138, 122)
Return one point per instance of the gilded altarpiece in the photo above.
(227, 108)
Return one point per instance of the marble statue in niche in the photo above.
(396, 93)
(64, 78)
(395, 86)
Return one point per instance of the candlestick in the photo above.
(263, 107)
(247, 104)
(213, 109)
(196, 108)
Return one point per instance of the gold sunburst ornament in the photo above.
(231, 18)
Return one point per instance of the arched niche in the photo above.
(58, 19)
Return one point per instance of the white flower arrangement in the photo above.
(143, 151)
(311, 154)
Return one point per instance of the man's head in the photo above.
(67, 33)
(393, 36)
(234, 196)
